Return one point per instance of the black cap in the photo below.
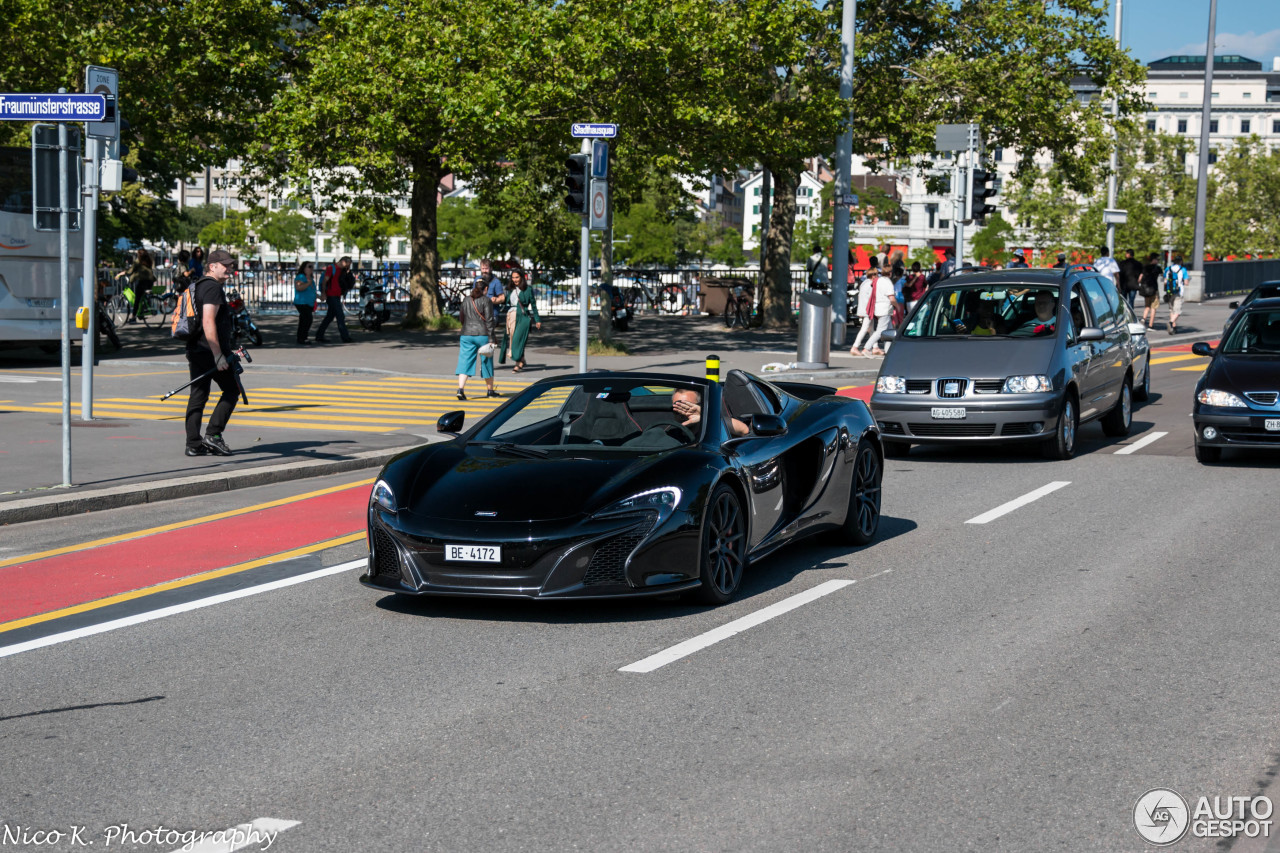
(221, 256)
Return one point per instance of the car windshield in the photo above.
(616, 415)
(979, 310)
(1269, 290)
(1256, 333)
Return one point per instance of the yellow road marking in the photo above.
(179, 525)
(1194, 367)
(1171, 358)
(194, 579)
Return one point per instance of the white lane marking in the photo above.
(261, 832)
(139, 618)
(1141, 443)
(1002, 704)
(737, 626)
(1005, 509)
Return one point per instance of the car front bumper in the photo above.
(1235, 427)
(988, 418)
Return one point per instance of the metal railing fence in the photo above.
(1224, 278)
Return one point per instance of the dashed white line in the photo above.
(1141, 443)
(1005, 509)
(737, 626)
(139, 618)
(261, 833)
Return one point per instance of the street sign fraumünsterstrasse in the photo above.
(583, 130)
(57, 107)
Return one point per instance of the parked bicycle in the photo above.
(737, 308)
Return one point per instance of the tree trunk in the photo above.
(605, 319)
(424, 254)
(776, 310)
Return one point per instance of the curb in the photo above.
(57, 506)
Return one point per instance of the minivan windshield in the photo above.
(1257, 332)
(1012, 310)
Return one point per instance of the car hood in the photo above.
(457, 483)
(1244, 373)
(965, 357)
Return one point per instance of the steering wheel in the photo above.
(679, 432)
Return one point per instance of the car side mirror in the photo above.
(1235, 304)
(1202, 348)
(1137, 329)
(451, 422)
(1091, 333)
(768, 426)
(889, 335)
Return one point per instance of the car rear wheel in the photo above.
(862, 518)
(1143, 392)
(724, 548)
(1063, 443)
(896, 449)
(1117, 422)
(1207, 454)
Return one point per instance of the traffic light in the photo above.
(575, 181)
(982, 190)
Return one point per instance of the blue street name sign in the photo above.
(67, 107)
(595, 131)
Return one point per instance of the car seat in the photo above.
(604, 420)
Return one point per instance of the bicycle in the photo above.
(737, 308)
(157, 303)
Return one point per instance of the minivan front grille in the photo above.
(952, 387)
(988, 386)
(952, 430)
(919, 386)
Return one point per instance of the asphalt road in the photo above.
(1009, 685)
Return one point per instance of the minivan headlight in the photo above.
(891, 385)
(1034, 384)
(1214, 397)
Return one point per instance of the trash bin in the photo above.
(814, 347)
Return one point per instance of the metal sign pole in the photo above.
(844, 182)
(64, 246)
(89, 278)
(586, 278)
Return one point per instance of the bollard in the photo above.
(713, 368)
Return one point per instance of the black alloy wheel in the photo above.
(254, 334)
(724, 548)
(862, 518)
(1063, 443)
(1116, 423)
(1142, 393)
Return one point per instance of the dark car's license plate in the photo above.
(947, 413)
(473, 553)
(1272, 424)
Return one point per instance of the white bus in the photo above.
(30, 275)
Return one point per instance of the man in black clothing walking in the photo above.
(208, 349)
(1130, 273)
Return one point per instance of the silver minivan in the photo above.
(1012, 356)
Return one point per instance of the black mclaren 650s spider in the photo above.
(624, 484)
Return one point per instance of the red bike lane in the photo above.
(47, 584)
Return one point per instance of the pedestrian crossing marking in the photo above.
(1171, 358)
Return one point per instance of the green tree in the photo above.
(195, 219)
(1244, 216)
(286, 231)
(370, 227)
(230, 233)
(991, 240)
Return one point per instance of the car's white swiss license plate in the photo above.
(945, 413)
(473, 553)
(1272, 424)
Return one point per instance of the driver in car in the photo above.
(1045, 318)
(688, 405)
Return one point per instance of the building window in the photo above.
(757, 192)
(1215, 95)
(1275, 125)
(1248, 95)
(755, 208)
(1213, 156)
(999, 155)
(402, 247)
(328, 245)
(1182, 125)
(1213, 125)
(1151, 125)
(1245, 125)
(1182, 94)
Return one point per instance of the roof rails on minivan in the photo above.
(1070, 268)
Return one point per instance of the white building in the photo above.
(807, 205)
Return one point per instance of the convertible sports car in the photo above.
(592, 486)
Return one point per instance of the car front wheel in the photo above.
(723, 557)
(1063, 443)
(862, 518)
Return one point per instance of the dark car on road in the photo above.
(1012, 356)
(1266, 290)
(1237, 401)
(593, 486)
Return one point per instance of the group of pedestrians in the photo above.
(335, 283)
(1151, 280)
(885, 293)
(490, 304)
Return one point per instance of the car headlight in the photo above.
(383, 496)
(664, 500)
(1213, 397)
(1033, 384)
(891, 385)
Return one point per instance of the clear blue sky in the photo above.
(1157, 28)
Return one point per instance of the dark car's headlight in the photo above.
(383, 496)
(891, 385)
(1214, 397)
(662, 500)
(1033, 384)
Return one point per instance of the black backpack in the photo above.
(346, 281)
